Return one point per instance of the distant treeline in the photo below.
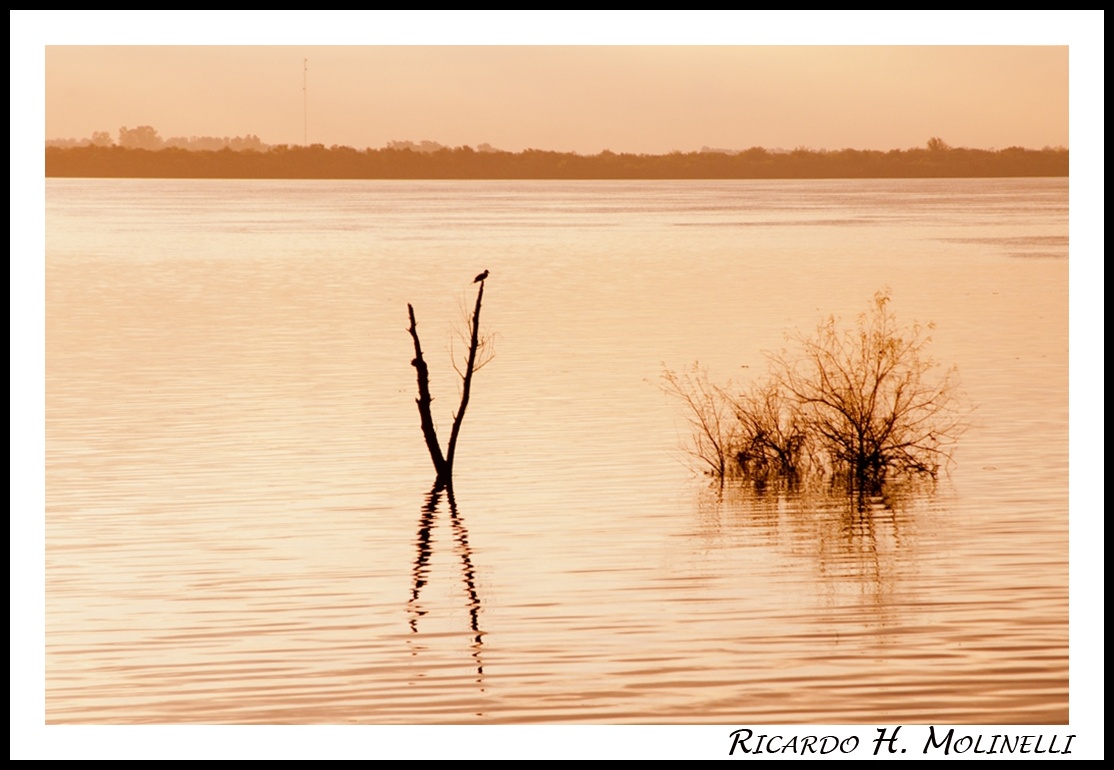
(316, 161)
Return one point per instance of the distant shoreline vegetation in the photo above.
(142, 153)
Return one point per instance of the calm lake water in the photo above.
(238, 527)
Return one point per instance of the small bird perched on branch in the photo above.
(481, 276)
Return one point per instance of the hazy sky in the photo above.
(644, 99)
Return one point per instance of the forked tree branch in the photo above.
(443, 463)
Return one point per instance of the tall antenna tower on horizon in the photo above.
(305, 102)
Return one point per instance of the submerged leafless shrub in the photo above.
(773, 438)
(709, 412)
(856, 406)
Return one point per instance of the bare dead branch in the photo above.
(424, 401)
(466, 390)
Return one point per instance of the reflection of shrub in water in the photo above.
(858, 407)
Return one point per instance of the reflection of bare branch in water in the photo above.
(425, 551)
(424, 541)
(468, 571)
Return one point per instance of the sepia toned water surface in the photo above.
(239, 527)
